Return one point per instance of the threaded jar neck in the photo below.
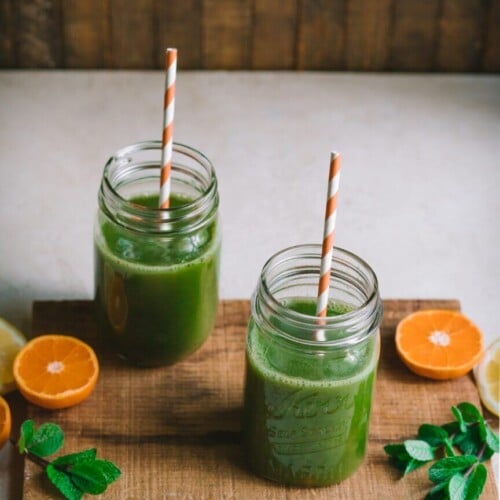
(293, 275)
(135, 171)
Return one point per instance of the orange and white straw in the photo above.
(328, 238)
(168, 127)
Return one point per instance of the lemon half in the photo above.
(487, 374)
(11, 341)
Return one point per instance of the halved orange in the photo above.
(5, 421)
(56, 371)
(439, 344)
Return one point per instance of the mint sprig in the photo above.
(457, 448)
(74, 474)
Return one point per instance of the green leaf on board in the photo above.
(445, 468)
(470, 413)
(492, 440)
(475, 482)
(448, 448)
(27, 432)
(411, 465)
(419, 450)
(456, 487)
(432, 434)
(437, 493)
(400, 464)
(88, 478)
(397, 451)
(63, 483)
(48, 438)
(110, 471)
(460, 419)
(469, 442)
(452, 428)
(73, 474)
(456, 476)
(74, 458)
(487, 454)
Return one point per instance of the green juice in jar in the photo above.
(156, 298)
(306, 418)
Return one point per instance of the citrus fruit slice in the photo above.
(439, 344)
(11, 341)
(5, 421)
(56, 371)
(487, 374)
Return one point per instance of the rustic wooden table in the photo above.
(175, 431)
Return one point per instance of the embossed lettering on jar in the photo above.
(307, 402)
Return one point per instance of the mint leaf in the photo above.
(396, 451)
(48, 438)
(412, 465)
(447, 467)
(451, 428)
(476, 482)
(399, 457)
(456, 487)
(26, 435)
(75, 458)
(456, 476)
(470, 413)
(110, 471)
(469, 442)
(88, 477)
(487, 454)
(409, 456)
(63, 483)
(460, 418)
(419, 450)
(432, 434)
(400, 464)
(492, 440)
(437, 492)
(448, 448)
(73, 474)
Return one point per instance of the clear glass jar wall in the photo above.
(307, 401)
(156, 270)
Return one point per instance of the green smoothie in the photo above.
(306, 416)
(156, 297)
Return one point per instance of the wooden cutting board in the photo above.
(175, 431)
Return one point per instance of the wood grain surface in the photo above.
(175, 431)
(360, 35)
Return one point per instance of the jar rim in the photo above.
(188, 216)
(362, 320)
(153, 145)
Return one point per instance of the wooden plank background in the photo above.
(357, 35)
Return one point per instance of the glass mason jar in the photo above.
(156, 270)
(309, 380)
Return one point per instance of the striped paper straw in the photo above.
(168, 126)
(328, 237)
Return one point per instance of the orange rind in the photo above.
(56, 371)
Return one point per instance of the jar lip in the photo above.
(188, 217)
(174, 212)
(314, 250)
